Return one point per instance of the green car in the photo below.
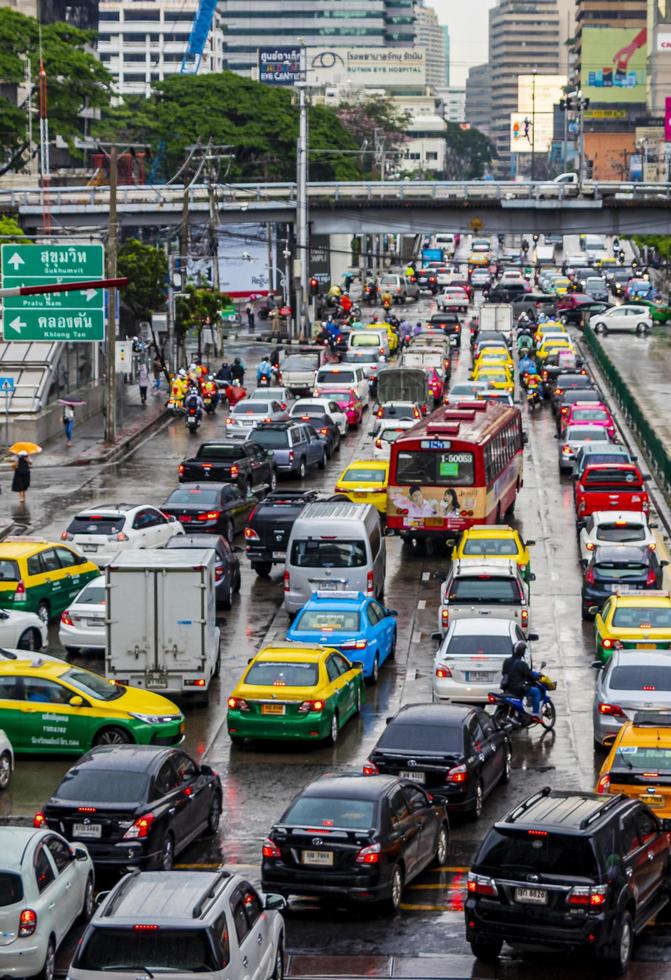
(41, 576)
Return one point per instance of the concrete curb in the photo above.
(101, 452)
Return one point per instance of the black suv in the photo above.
(568, 870)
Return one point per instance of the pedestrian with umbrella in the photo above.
(69, 404)
(21, 478)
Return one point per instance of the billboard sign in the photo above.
(366, 67)
(667, 119)
(613, 64)
(520, 132)
(280, 66)
(536, 97)
(664, 41)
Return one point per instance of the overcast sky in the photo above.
(468, 24)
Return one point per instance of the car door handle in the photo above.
(651, 856)
(52, 906)
(68, 886)
(244, 961)
(259, 939)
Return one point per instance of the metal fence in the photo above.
(653, 448)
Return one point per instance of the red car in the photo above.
(588, 413)
(348, 400)
(610, 486)
(573, 301)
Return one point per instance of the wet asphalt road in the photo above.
(259, 781)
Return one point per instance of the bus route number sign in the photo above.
(435, 444)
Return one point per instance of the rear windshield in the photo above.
(621, 534)
(368, 357)
(251, 408)
(272, 438)
(589, 415)
(92, 595)
(412, 737)
(325, 621)
(651, 760)
(361, 338)
(431, 468)
(267, 673)
(479, 646)
(9, 571)
(359, 475)
(92, 685)
(317, 811)
(625, 479)
(490, 546)
(96, 524)
(137, 951)
(103, 786)
(642, 617)
(194, 497)
(210, 451)
(11, 889)
(518, 853)
(579, 395)
(604, 458)
(326, 377)
(311, 553)
(591, 434)
(390, 435)
(396, 411)
(485, 590)
(619, 572)
(640, 677)
(297, 363)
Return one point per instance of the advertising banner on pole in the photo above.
(520, 133)
(280, 66)
(667, 119)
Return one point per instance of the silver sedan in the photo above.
(82, 624)
(573, 439)
(632, 681)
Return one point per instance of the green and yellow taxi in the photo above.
(633, 621)
(365, 481)
(487, 542)
(295, 691)
(52, 707)
(40, 576)
(392, 335)
(639, 763)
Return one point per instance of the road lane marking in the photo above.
(426, 576)
(421, 604)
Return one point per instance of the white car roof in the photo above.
(481, 626)
(610, 516)
(495, 569)
(13, 843)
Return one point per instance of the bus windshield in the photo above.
(435, 468)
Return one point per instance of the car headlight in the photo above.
(155, 719)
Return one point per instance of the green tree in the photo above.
(377, 127)
(75, 79)
(258, 122)
(11, 230)
(146, 268)
(469, 153)
(199, 305)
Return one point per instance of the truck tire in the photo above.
(262, 568)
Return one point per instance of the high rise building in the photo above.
(142, 41)
(399, 21)
(659, 55)
(429, 37)
(452, 102)
(79, 13)
(523, 38)
(478, 107)
(446, 49)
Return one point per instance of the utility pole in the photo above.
(302, 228)
(110, 345)
(45, 170)
(533, 127)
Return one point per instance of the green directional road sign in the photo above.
(71, 316)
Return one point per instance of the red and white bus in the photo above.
(461, 465)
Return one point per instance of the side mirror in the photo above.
(664, 563)
(76, 701)
(646, 477)
(237, 550)
(275, 903)
(533, 637)
(389, 719)
(555, 436)
(100, 898)
(437, 636)
(543, 664)
(530, 544)
(597, 665)
(206, 770)
(593, 610)
(81, 854)
(532, 577)
(525, 438)
(573, 477)
(357, 664)
(394, 612)
(439, 576)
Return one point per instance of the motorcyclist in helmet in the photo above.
(264, 372)
(527, 365)
(209, 389)
(519, 680)
(194, 400)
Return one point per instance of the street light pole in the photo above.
(110, 345)
(533, 127)
(302, 228)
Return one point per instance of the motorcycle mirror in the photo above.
(533, 637)
(597, 665)
(543, 663)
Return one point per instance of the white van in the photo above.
(335, 377)
(445, 241)
(369, 340)
(334, 545)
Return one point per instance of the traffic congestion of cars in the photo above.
(443, 411)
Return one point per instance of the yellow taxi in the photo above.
(550, 327)
(295, 692)
(553, 344)
(606, 261)
(633, 621)
(41, 576)
(486, 542)
(52, 707)
(365, 482)
(560, 285)
(496, 377)
(495, 362)
(392, 335)
(479, 258)
(639, 762)
(496, 354)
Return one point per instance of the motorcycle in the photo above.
(264, 381)
(175, 407)
(192, 420)
(511, 713)
(533, 398)
(209, 403)
(370, 295)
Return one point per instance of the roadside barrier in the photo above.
(655, 453)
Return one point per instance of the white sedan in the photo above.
(248, 413)
(388, 432)
(22, 630)
(453, 298)
(328, 406)
(82, 624)
(104, 530)
(47, 885)
(6, 760)
(629, 317)
(613, 528)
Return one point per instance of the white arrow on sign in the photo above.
(89, 294)
(15, 260)
(17, 324)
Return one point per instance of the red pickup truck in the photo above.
(610, 486)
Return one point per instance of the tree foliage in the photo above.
(258, 122)
(75, 78)
(469, 153)
(11, 230)
(376, 125)
(661, 244)
(146, 268)
(199, 304)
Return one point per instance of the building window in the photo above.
(431, 156)
(142, 15)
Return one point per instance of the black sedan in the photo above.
(227, 563)
(355, 839)
(137, 805)
(455, 751)
(621, 566)
(218, 508)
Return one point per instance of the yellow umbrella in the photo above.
(30, 448)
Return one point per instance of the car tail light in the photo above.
(369, 855)
(39, 820)
(238, 704)
(611, 645)
(65, 618)
(235, 471)
(378, 444)
(218, 573)
(145, 927)
(613, 710)
(445, 617)
(370, 769)
(66, 536)
(652, 577)
(481, 885)
(196, 682)
(354, 645)
(582, 507)
(525, 617)
(251, 535)
(323, 432)
(292, 455)
(287, 582)
(566, 450)
(270, 849)
(590, 546)
(20, 592)
(564, 410)
(307, 706)
(443, 671)
(589, 576)
(180, 469)
(140, 828)
(370, 583)
(210, 515)
(592, 896)
(27, 922)
(459, 774)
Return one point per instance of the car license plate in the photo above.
(279, 554)
(322, 859)
(273, 709)
(534, 896)
(93, 622)
(416, 777)
(653, 799)
(484, 676)
(87, 830)
(154, 678)
(89, 547)
(645, 646)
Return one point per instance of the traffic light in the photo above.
(314, 287)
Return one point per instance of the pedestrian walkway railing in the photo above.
(647, 438)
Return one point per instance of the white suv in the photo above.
(210, 923)
(629, 318)
(104, 530)
(46, 885)
(6, 762)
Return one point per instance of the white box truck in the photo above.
(161, 621)
(497, 316)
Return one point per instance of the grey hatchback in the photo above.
(226, 562)
(295, 446)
